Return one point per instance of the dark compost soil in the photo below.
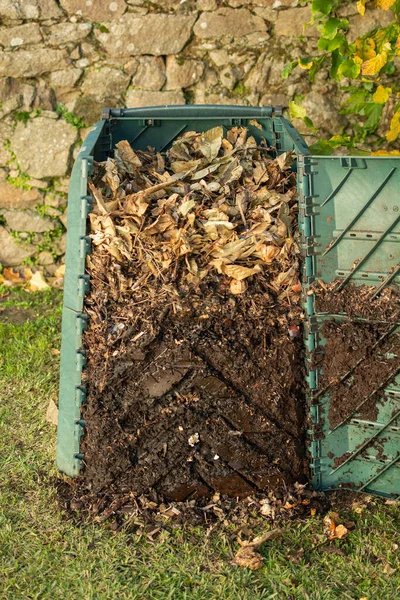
(201, 395)
(360, 357)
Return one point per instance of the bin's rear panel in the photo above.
(350, 224)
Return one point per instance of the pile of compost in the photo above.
(195, 364)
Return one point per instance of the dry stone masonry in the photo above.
(63, 60)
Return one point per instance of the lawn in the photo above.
(46, 555)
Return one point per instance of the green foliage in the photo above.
(358, 66)
(43, 210)
(49, 239)
(24, 116)
(240, 90)
(298, 112)
(70, 117)
(20, 181)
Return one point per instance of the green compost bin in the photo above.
(350, 224)
(340, 199)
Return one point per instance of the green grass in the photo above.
(44, 555)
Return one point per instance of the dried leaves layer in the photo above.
(211, 204)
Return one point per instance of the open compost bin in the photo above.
(219, 401)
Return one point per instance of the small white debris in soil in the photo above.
(216, 457)
(194, 439)
(180, 428)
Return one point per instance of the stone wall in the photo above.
(63, 60)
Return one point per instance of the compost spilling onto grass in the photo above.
(195, 365)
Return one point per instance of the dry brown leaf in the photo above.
(340, 532)
(237, 287)
(210, 143)
(267, 253)
(238, 272)
(11, 275)
(38, 282)
(162, 223)
(247, 555)
(255, 123)
(136, 204)
(128, 155)
(52, 413)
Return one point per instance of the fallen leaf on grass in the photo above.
(60, 271)
(248, 556)
(388, 569)
(333, 529)
(55, 351)
(52, 413)
(11, 277)
(38, 282)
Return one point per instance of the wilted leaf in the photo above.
(385, 4)
(38, 282)
(386, 153)
(267, 253)
(285, 160)
(128, 156)
(248, 556)
(340, 532)
(381, 94)
(365, 48)
(255, 123)
(388, 569)
(52, 413)
(60, 271)
(186, 207)
(237, 287)
(239, 273)
(185, 166)
(361, 7)
(305, 63)
(136, 204)
(162, 223)
(394, 130)
(13, 277)
(111, 175)
(210, 143)
(374, 65)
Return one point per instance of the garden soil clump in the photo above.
(195, 364)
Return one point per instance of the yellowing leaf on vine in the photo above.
(394, 129)
(305, 63)
(381, 94)
(385, 4)
(361, 7)
(386, 153)
(374, 65)
(365, 48)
